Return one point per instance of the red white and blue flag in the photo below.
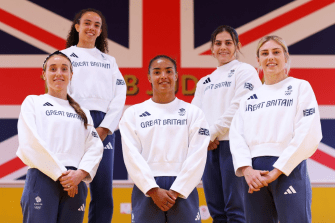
(140, 30)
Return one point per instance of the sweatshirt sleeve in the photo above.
(239, 149)
(32, 149)
(115, 108)
(307, 131)
(194, 165)
(138, 169)
(247, 79)
(93, 152)
(197, 99)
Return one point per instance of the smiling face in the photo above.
(272, 59)
(224, 48)
(57, 73)
(163, 76)
(89, 29)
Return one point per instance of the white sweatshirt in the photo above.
(219, 95)
(165, 140)
(279, 120)
(97, 84)
(52, 136)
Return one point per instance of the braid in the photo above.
(78, 110)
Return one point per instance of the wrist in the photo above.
(244, 169)
(82, 173)
(152, 191)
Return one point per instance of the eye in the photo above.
(64, 68)
(218, 43)
(228, 43)
(264, 54)
(97, 26)
(276, 52)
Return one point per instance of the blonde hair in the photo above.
(282, 43)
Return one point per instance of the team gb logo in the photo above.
(182, 112)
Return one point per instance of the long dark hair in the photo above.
(231, 31)
(73, 37)
(72, 102)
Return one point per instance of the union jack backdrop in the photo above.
(142, 29)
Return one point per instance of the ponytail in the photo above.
(78, 110)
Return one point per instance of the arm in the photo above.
(246, 76)
(198, 94)
(93, 152)
(32, 149)
(116, 105)
(137, 167)
(194, 164)
(241, 154)
(307, 132)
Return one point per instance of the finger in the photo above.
(217, 142)
(171, 197)
(76, 190)
(264, 172)
(263, 181)
(259, 183)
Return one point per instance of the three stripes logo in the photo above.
(108, 146)
(74, 55)
(254, 96)
(207, 81)
(47, 104)
(145, 114)
(290, 190)
(82, 208)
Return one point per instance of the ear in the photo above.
(43, 75)
(288, 56)
(257, 58)
(239, 45)
(149, 78)
(176, 76)
(76, 26)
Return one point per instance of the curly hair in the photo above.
(73, 37)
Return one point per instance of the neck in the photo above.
(221, 64)
(58, 94)
(163, 98)
(85, 44)
(274, 78)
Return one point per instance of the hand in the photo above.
(254, 178)
(272, 175)
(103, 132)
(213, 145)
(72, 178)
(162, 198)
(73, 191)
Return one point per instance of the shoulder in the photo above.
(193, 109)
(131, 110)
(245, 67)
(68, 50)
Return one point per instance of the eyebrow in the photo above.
(56, 64)
(163, 68)
(271, 49)
(91, 21)
(223, 40)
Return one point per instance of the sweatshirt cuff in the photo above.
(214, 132)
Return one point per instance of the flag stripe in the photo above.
(324, 159)
(11, 166)
(32, 30)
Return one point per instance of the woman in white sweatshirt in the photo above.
(276, 128)
(58, 142)
(218, 95)
(97, 85)
(164, 143)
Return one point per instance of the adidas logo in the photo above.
(198, 218)
(108, 146)
(254, 96)
(82, 208)
(207, 81)
(74, 55)
(47, 104)
(145, 114)
(290, 190)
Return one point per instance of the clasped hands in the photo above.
(164, 199)
(70, 180)
(257, 179)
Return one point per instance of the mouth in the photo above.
(58, 80)
(271, 64)
(223, 53)
(90, 33)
